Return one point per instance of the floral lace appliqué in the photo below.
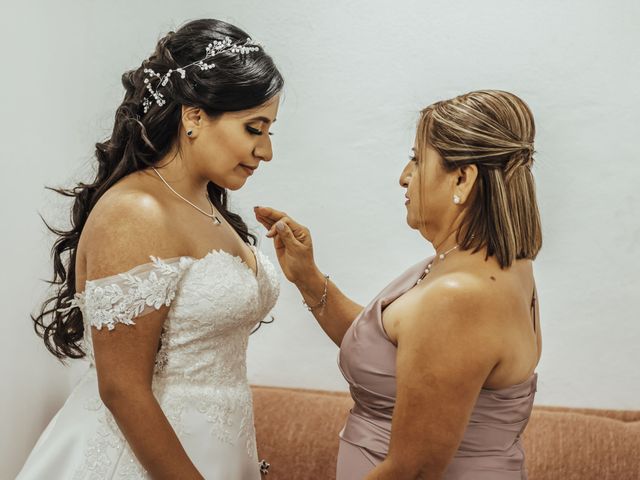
(121, 298)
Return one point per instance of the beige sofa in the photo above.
(297, 433)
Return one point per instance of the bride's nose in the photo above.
(263, 149)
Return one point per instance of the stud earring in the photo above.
(189, 133)
(456, 199)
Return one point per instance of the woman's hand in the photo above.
(292, 243)
(295, 254)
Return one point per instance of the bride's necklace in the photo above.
(441, 257)
(211, 215)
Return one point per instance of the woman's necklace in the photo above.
(441, 257)
(211, 215)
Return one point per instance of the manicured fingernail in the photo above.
(280, 226)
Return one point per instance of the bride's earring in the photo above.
(189, 133)
(456, 199)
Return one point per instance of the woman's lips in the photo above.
(248, 170)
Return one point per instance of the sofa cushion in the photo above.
(297, 433)
(584, 444)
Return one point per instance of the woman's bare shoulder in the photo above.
(126, 225)
(458, 301)
(479, 304)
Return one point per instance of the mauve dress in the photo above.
(491, 448)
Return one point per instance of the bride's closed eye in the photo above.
(256, 131)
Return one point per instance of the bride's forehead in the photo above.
(266, 112)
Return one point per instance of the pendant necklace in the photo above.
(211, 215)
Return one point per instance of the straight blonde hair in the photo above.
(493, 130)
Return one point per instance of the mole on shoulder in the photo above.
(493, 278)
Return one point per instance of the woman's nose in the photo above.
(405, 176)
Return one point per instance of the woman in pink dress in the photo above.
(441, 364)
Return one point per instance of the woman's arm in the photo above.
(120, 236)
(445, 353)
(294, 249)
(338, 313)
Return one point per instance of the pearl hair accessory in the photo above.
(212, 50)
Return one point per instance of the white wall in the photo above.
(357, 73)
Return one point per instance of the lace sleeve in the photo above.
(121, 298)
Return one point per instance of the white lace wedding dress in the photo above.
(200, 376)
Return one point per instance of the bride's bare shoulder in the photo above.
(131, 201)
(129, 220)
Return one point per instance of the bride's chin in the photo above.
(235, 187)
(234, 183)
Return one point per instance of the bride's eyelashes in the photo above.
(255, 131)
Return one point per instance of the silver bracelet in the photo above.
(323, 299)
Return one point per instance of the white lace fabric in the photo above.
(200, 377)
(122, 297)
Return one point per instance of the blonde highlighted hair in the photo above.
(493, 130)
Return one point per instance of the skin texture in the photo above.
(140, 216)
(467, 326)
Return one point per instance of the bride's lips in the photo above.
(248, 169)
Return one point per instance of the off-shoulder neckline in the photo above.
(191, 261)
(217, 251)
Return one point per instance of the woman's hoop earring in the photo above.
(189, 133)
(456, 199)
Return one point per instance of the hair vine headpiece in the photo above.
(212, 50)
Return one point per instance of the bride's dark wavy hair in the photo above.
(139, 140)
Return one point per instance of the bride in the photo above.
(159, 284)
